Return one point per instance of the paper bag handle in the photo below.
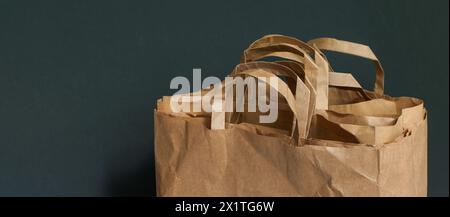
(316, 73)
(298, 104)
(282, 50)
(355, 49)
(268, 40)
(293, 72)
(315, 64)
(335, 78)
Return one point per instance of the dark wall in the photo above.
(79, 79)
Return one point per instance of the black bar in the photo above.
(222, 206)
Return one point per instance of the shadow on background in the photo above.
(130, 165)
(137, 182)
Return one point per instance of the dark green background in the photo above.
(79, 79)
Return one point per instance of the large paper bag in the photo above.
(194, 158)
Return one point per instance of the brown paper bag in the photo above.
(195, 157)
